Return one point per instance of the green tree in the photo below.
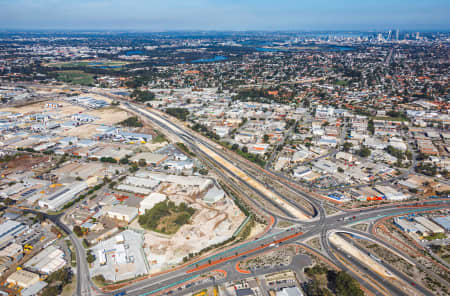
(347, 146)
(345, 285)
(90, 257)
(78, 231)
(364, 152)
(371, 127)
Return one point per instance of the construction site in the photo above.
(215, 220)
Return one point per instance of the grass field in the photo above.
(75, 77)
(90, 64)
(160, 138)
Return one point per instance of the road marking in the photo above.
(238, 268)
(170, 285)
(211, 263)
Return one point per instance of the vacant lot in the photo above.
(75, 77)
(88, 63)
(109, 115)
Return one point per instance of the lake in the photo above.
(214, 59)
(134, 52)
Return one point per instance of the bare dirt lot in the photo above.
(109, 115)
(211, 224)
(66, 109)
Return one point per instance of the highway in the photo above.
(216, 156)
(306, 226)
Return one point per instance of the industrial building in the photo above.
(48, 261)
(120, 257)
(391, 194)
(429, 225)
(13, 251)
(443, 221)
(213, 195)
(409, 226)
(135, 137)
(202, 183)
(133, 189)
(23, 278)
(121, 213)
(9, 229)
(150, 201)
(34, 290)
(66, 194)
(290, 291)
(141, 182)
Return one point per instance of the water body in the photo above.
(211, 60)
(134, 52)
(110, 67)
(317, 47)
(264, 49)
(341, 48)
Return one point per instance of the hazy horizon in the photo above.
(231, 15)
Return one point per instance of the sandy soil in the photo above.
(83, 131)
(109, 115)
(361, 256)
(209, 225)
(66, 109)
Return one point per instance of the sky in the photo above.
(239, 15)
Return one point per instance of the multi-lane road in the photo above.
(306, 225)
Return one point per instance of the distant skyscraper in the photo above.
(389, 35)
(417, 35)
(397, 35)
(380, 37)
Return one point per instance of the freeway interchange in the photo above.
(219, 267)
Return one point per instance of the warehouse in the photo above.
(122, 213)
(136, 137)
(302, 171)
(48, 261)
(133, 189)
(34, 290)
(409, 226)
(13, 251)
(101, 257)
(120, 257)
(9, 229)
(23, 278)
(203, 183)
(179, 165)
(443, 221)
(141, 182)
(150, 201)
(214, 195)
(391, 194)
(62, 196)
(429, 225)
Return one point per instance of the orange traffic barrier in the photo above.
(238, 268)
(211, 263)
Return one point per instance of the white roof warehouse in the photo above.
(63, 196)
